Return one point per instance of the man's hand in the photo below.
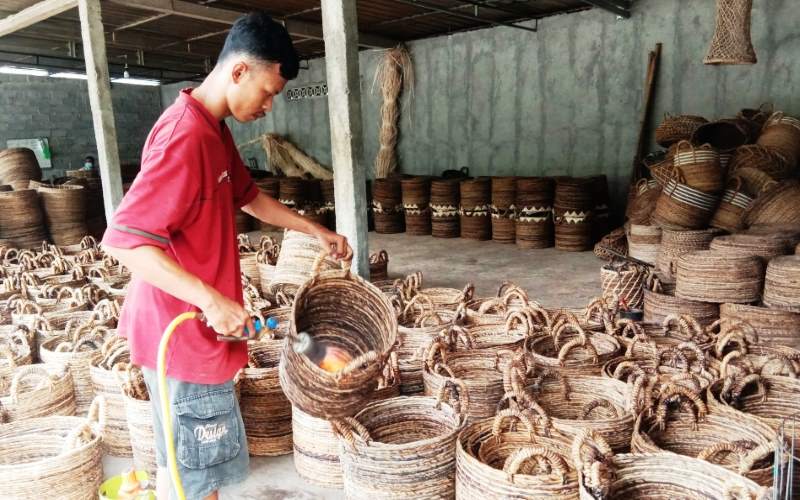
(226, 316)
(336, 244)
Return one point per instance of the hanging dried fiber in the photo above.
(285, 157)
(395, 74)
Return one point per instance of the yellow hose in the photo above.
(163, 396)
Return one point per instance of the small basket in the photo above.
(676, 128)
(776, 204)
(35, 391)
(681, 207)
(781, 286)
(624, 282)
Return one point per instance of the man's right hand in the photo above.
(226, 316)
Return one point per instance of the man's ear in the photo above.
(238, 71)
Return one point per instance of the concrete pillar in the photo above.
(105, 132)
(340, 29)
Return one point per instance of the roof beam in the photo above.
(443, 10)
(225, 16)
(618, 7)
(35, 13)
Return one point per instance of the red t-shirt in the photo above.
(183, 201)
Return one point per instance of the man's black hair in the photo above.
(257, 35)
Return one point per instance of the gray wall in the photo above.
(59, 110)
(565, 100)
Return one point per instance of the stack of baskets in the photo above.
(475, 217)
(416, 205)
(504, 190)
(292, 192)
(387, 205)
(21, 219)
(534, 202)
(573, 215)
(644, 242)
(19, 166)
(445, 199)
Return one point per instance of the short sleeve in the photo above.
(162, 197)
(244, 189)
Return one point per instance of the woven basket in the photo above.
(106, 381)
(503, 209)
(22, 223)
(681, 207)
(474, 209)
(297, 255)
(789, 233)
(658, 306)
(348, 312)
(445, 200)
(676, 243)
(387, 205)
(572, 214)
(65, 213)
(644, 242)
(754, 245)
(534, 222)
(698, 167)
(774, 326)
(495, 462)
(624, 283)
(416, 194)
(781, 134)
(760, 158)
(53, 457)
(736, 443)
(292, 192)
(731, 43)
(266, 261)
(480, 372)
(379, 266)
(35, 391)
(70, 353)
(718, 277)
(402, 447)
(779, 204)
(730, 212)
(248, 262)
(139, 415)
(676, 128)
(781, 285)
(266, 412)
(612, 245)
(18, 166)
(412, 342)
(570, 350)
(644, 476)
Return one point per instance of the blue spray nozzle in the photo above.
(257, 325)
(272, 323)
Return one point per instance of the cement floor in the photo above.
(553, 278)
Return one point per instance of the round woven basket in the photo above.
(34, 391)
(659, 305)
(65, 213)
(624, 282)
(730, 211)
(106, 381)
(292, 192)
(266, 412)
(18, 166)
(742, 444)
(774, 326)
(612, 245)
(710, 276)
(642, 199)
(570, 350)
(266, 261)
(402, 448)
(297, 255)
(416, 193)
(676, 243)
(722, 135)
(698, 167)
(413, 339)
(788, 233)
(572, 214)
(139, 415)
(77, 354)
(781, 285)
(645, 476)
(445, 200)
(781, 134)
(503, 209)
(519, 461)
(387, 205)
(481, 373)
(779, 204)
(754, 245)
(760, 158)
(681, 207)
(52, 457)
(22, 223)
(676, 128)
(644, 242)
(534, 221)
(474, 209)
(348, 312)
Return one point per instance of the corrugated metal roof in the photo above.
(188, 45)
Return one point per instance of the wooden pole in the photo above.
(340, 29)
(105, 132)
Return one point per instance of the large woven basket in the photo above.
(36, 392)
(139, 415)
(534, 217)
(781, 285)
(52, 457)
(779, 204)
(644, 242)
(18, 166)
(731, 43)
(295, 261)
(682, 207)
(730, 212)
(402, 448)
(676, 243)
(781, 134)
(65, 213)
(503, 209)
(573, 214)
(644, 476)
(571, 350)
(412, 342)
(22, 224)
(773, 326)
(445, 199)
(764, 247)
(495, 461)
(475, 216)
(387, 205)
(659, 305)
(77, 354)
(342, 309)
(106, 381)
(710, 276)
(676, 128)
(416, 193)
(698, 167)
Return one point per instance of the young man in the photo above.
(175, 231)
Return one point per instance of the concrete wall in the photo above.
(59, 110)
(565, 100)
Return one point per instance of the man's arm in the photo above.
(271, 211)
(155, 267)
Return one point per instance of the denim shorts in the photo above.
(211, 447)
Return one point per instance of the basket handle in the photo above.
(98, 413)
(699, 356)
(590, 453)
(671, 391)
(730, 358)
(468, 293)
(592, 405)
(740, 385)
(740, 448)
(357, 363)
(759, 452)
(379, 257)
(77, 437)
(5, 352)
(112, 358)
(348, 428)
(515, 292)
(421, 302)
(28, 307)
(457, 394)
(514, 416)
(88, 242)
(437, 345)
(541, 453)
(317, 266)
(562, 327)
(580, 342)
(492, 305)
(266, 242)
(625, 369)
(27, 372)
(558, 377)
(676, 358)
(422, 321)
